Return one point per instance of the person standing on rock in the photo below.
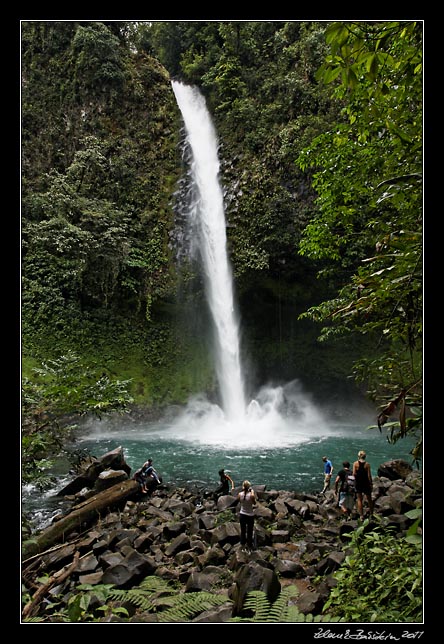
(345, 489)
(364, 483)
(247, 499)
(328, 471)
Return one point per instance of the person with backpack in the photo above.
(364, 483)
(345, 489)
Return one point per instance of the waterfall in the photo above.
(207, 214)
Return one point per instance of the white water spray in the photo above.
(207, 212)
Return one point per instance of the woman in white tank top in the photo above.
(247, 500)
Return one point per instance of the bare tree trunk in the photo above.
(80, 516)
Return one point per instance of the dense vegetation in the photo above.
(320, 139)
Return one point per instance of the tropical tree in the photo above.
(367, 224)
(61, 390)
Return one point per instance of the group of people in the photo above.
(148, 478)
(247, 500)
(351, 484)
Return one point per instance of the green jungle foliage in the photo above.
(281, 610)
(320, 142)
(159, 596)
(381, 577)
(60, 389)
(95, 603)
(367, 173)
(101, 162)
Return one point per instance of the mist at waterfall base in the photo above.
(278, 437)
(278, 443)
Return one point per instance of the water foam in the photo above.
(277, 417)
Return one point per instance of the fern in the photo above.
(159, 596)
(184, 607)
(279, 610)
(144, 595)
(257, 601)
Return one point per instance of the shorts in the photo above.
(364, 490)
(346, 501)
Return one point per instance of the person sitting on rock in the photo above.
(146, 476)
(224, 487)
(152, 479)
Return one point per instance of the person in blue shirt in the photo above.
(328, 471)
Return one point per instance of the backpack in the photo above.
(349, 483)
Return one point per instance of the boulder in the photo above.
(250, 577)
(131, 571)
(108, 478)
(289, 568)
(226, 533)
(181, 542)
(330, 563)
(395, 469)
(207, 579)
(309, 602)
(172, 530)
(215, 555)
(226, 501)
(215, 615)
(93, 467)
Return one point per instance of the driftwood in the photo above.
(80, 516)
(31, 607)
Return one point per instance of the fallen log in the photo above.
(79, 517)
(31, 607)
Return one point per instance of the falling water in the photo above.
(276, 438)
(208, 215)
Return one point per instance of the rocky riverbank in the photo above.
(192, 542)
